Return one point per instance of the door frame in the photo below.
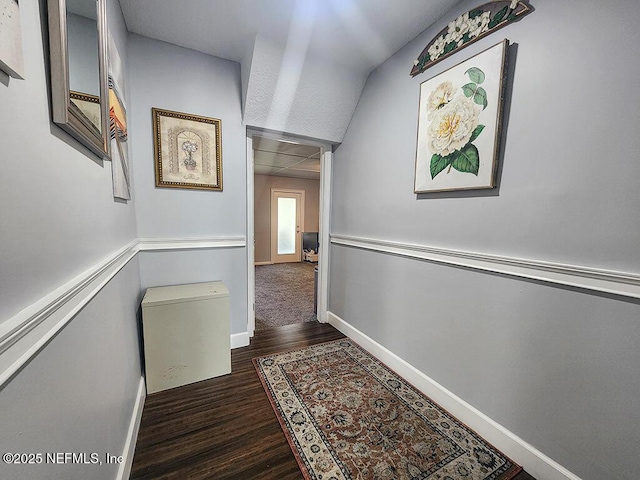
(326, 171)
(274, 234)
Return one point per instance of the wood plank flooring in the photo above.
(225, 428)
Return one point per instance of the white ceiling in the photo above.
(285, 159)
(303, 63)
(357, 33)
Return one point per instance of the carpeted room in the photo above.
(515, 308)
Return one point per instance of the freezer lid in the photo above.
(184, 293)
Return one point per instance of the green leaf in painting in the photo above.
(497, 18)
(438, 163)
(476, 133)
(480, 97)
(449, 47)
(475, 13)
(469, 89)
(475, 74)
(467, 160)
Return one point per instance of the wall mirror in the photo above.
(77, 49)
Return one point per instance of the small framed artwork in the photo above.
(188, 150)
(459, 123)
(11, 59)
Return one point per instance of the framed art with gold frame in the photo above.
(188, 150)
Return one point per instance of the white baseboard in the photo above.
(239, 340)
(534, 462)
(132, 435)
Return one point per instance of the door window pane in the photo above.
(286, 226)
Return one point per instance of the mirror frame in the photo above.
(65, 113)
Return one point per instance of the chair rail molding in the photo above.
(25, 334)
(587, 278)
(191, 243)
(30, 330)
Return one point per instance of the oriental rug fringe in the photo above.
(347, 416)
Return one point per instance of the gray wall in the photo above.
(82, 44)
(262, 200)
(554, 365)
(78, 394)
(59, 218)
(175, 78)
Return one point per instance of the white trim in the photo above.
(606, 281)
(251, 242)
(326, 172)
(257, 264)
(25, 334)
(534, 462)
(151, 244)
(324, 220)
(239, 340)
(132, 435)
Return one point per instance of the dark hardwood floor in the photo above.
(225, 428)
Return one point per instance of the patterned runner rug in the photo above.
(347, 416)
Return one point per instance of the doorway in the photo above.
(287, 225)
(297, 209)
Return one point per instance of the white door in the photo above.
(287, 213)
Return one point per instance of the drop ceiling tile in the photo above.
(276, 146)
(310, 164)
(274, 160)
(261, 170)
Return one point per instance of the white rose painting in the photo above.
(459, 124)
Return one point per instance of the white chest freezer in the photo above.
(186, 334)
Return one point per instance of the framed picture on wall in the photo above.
(11, 59)
(118, 129)
(459, 123)
(188, 150)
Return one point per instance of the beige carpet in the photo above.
(284, 294)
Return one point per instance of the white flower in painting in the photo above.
(458, 28)
(436, 48)
(452, 126)
(189, 146)
(479, 25)
(440, 96)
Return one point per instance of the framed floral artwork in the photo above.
(459, 123)
(188, 150)
(468, 28)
